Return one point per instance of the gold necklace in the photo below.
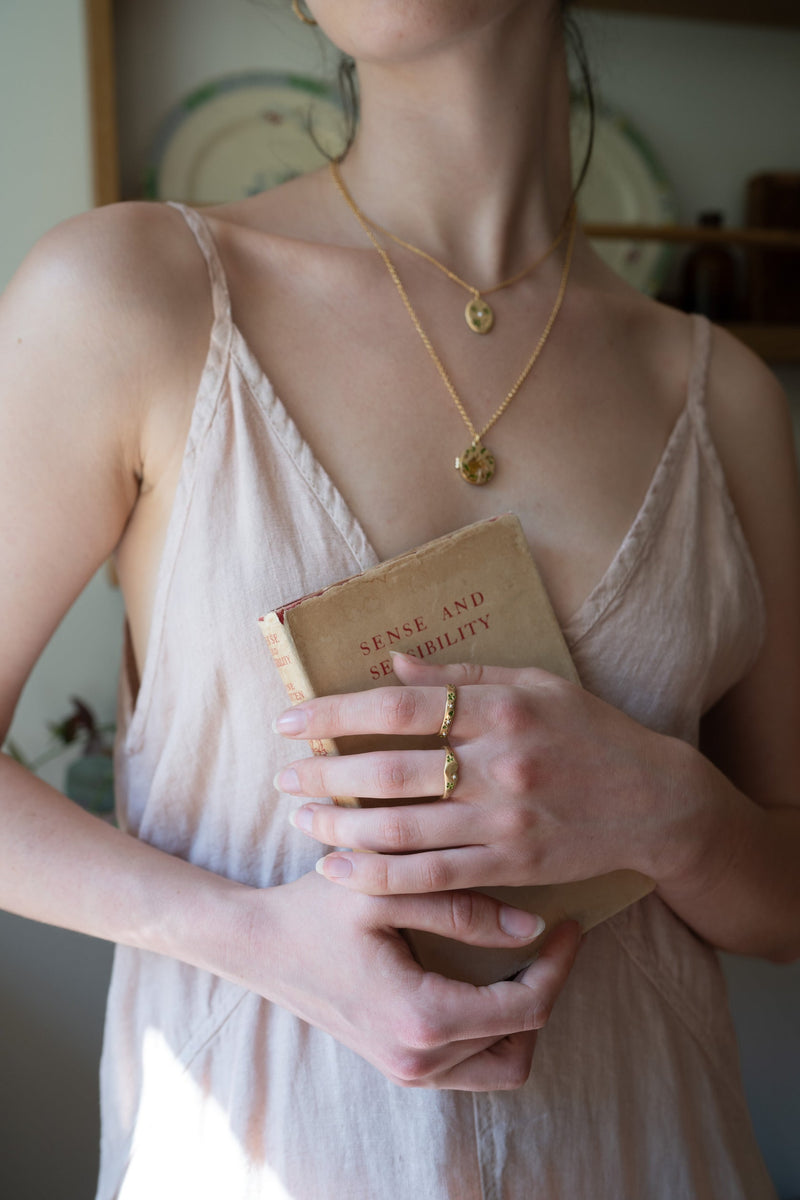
(478, 313)
(477, 464)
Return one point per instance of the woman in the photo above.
(649, 460)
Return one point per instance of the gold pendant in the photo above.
(479, 315)
(476, 464)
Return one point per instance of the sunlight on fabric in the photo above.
(185, 1145)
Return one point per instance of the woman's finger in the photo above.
(389, 710)
(405, 711)
(378, 775)
(393, 829)
(501, 1066)
(410, 874)
(459, 1011)
(554, 961)
(421, 674)
(470, 917)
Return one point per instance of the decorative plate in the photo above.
(241, 134)
(624, 183)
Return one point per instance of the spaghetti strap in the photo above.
(697, 394)
(698, 410)
(220, 296)
(698, 370)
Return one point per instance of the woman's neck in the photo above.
(465, 152)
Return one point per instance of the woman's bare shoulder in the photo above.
(101, 302)
(127, 264)
(751, 425)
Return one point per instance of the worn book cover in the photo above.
(474, 595)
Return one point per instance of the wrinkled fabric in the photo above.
(209, 1091)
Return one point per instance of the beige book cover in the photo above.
(474, 595)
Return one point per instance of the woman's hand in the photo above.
(554, 785)
(337, 960)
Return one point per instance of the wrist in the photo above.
(197, 916)
(708, 820)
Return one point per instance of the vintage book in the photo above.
(472, 596)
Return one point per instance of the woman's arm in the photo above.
(88, 330)
(84, 362)
(745, 872)
(555, 785)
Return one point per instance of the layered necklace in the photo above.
(477, 464)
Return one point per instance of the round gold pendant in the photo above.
(479, 315)
(476, 464)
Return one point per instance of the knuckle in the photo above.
(398, 1081)
(434, 874)
(379, 876)
(408, 1066)
(390, 775)
(398, 707)
(464, 912)
(539, 1013)
(517, 1074)
(323, 825)
(517, 772)
(471, 673)
(311, 777)
(511, 711)
(417, 1032)
(394, 831)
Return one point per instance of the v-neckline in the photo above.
(600, 596)
(627, 554)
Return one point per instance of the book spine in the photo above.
(296, 681)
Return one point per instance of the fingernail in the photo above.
(288, 781)
(520, 924)
(294, 720)
(399, 654)
(302, 818)
(334, 867)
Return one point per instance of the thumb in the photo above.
(411, 670)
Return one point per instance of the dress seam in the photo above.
(207, 407)
(717, 473)
(638, 542)
(299, 467)
(693, 1031)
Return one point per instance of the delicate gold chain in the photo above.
(475, 291)
(476, 435)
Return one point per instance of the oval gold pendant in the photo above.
(479, 315)
(476, 464)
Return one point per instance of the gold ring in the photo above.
(449, 711)
(450, 771)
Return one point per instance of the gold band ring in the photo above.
(449, 711)
(450, 771)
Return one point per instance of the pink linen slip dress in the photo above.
(212, 1093)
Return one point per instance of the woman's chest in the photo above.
(575, 445)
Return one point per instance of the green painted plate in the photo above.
(625, 183)
(241, 134)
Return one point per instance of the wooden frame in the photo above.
(751, 12)
(99, 17)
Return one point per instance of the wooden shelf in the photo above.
(775, 343)
(765, 12)
(773, 238)
(99, 17)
